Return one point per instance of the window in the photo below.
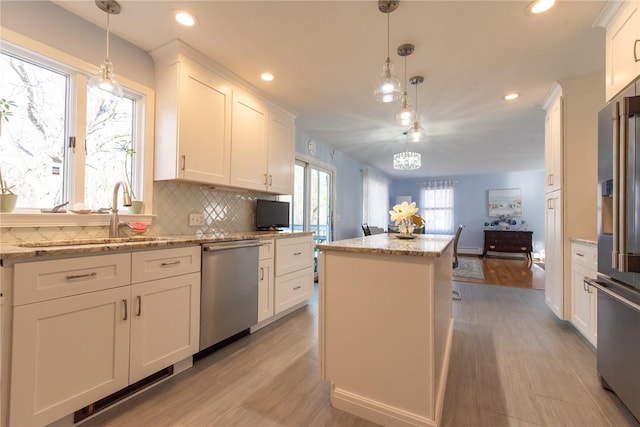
(437, 206)
(39, 157)
(375, 198)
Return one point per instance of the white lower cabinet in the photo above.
(68, 352)
(584, 299)
(266, 290)
(293, 288)
(165, 319)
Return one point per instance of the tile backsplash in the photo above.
(224, 210)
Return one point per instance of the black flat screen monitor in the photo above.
(271, 214)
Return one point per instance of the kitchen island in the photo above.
(385, 326)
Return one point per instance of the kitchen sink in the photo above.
(94, 241)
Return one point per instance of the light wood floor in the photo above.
(513, 272)
(513, 364)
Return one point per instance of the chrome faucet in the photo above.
(114, 224)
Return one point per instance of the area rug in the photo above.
(469, 267)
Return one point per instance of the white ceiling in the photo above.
(327, 56)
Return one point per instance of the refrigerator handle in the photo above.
(616, 181)
(622, 187)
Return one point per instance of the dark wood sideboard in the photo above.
(512, 241)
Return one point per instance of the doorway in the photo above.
(311, 204)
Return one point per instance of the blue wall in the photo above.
(470, 202)
(470, 195)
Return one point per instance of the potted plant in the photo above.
(7, 197)
(137, 206)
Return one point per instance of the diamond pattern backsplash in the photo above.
(225, 211)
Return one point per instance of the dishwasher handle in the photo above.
(231, 245)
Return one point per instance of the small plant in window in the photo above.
(5, 115)
(129, 151)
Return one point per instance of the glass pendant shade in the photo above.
(416, 133)
(388, 88)
(104, 82)
(405, 114)
(407, 160)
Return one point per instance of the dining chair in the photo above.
(456, 294)
(365, 229)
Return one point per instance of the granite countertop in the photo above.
(97, 245)
(426, 245)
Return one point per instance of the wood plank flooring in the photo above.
(513, 364)
(512, 272)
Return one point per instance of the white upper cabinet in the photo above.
(553, 141)
(623, 48)
(193, 122)
(249, 148)
(210, 130)
(281, 157)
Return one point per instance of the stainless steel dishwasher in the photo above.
(229, 294)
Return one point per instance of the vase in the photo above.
(406, 227)
(8, 202)
(137, 207)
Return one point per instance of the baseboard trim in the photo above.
(375, 411)
(469, 251)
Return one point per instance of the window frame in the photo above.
(428, 211)
(80, 71)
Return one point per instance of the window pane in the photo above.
(110, 149)
(32, 141)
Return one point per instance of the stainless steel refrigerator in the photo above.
(618, 280)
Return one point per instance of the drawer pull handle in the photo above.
(635, 50)
(261, 274)
(82, 276)
(523, 248)
(169, 264)
(139, 298)
(492, 247)
(297, 253)
(579, 254)
(297, 287)
(126, 315)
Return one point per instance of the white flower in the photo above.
(403, 211)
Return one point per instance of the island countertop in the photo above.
(425, 245)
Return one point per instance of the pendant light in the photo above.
(416, 133)
(104, 82)
(388, 88)
(405, 114)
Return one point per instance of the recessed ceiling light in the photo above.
(539, 6)
(184, 18)
(267, 77)
(511, 96)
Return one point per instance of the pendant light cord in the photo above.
(108, 13)
(388, 34)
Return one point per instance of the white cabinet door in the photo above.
(281, 158)
(554, 286)
(249, 145)
(266, 299)
(68, 353)
(623, 48)
(165, 320)
(193, 124)
(553, 143)
(584, 299)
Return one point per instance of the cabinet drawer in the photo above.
(45, 280)
(158, 264)
(267, 248)
(293, 254)
(584, 255)
(293, 288)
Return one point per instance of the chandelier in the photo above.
(407, 160)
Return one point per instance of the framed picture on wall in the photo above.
(505, 202)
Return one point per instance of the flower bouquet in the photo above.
(406, 217)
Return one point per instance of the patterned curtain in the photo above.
(375, 199)
(436, 201)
